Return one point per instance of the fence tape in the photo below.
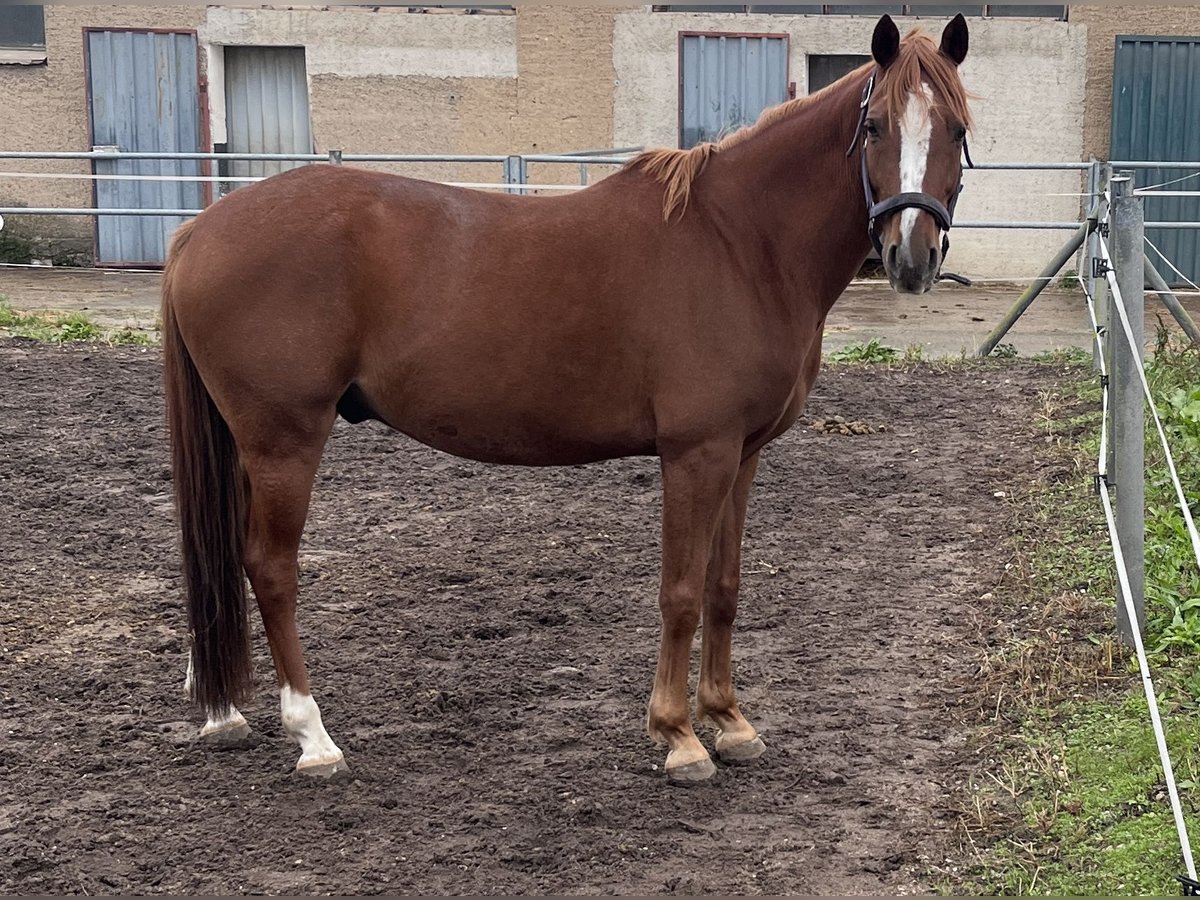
(1163, 257)
(1123, 574)
(1119, 303)
(1147, 685)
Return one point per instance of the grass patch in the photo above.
(55, 328)
(1069, 797)
(870, 352)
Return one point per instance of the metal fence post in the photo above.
(1127, 470)
(1100, 285)
(515, 172)
(1092, 202)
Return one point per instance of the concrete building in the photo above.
(534, 79)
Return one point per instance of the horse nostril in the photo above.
(933, 259)
(891, 260)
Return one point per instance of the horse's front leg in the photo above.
(696, 484)
(737, 741)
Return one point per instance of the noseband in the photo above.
(909, 199)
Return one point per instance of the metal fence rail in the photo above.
(514, 174)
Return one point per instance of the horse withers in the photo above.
(673, 309)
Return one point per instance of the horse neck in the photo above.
(800, 197)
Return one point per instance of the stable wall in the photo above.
(553, 79)
(1019, 118)
(44, 107)
(1103, 24)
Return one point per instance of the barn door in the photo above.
(726, 80)
(144, 96)
(1156, 116)
(266, 108)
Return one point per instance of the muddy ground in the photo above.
(482, 641)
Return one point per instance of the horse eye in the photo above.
(960, 134)
(872, 128)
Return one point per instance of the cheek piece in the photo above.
(944, 216)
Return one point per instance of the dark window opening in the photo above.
(22, 35)
(1030, 10)
(825, 69)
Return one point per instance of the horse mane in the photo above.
(920, 60)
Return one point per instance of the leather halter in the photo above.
(943, 215)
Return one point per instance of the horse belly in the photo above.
(513, 444)
(505, 427)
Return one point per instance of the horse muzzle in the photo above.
(910, 271)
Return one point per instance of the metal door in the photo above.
(143, 96)
(726, 80)
(266, 108)
(1156, 116)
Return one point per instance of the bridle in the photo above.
(944, 216)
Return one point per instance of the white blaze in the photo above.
(916, 129)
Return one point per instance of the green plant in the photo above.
(1071, 798)
(57, 328)
(1064, 356)
(1005, 351)
(870, 352)
(76, 327)
(1070, 282)
(129, 337)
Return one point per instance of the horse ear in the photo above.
(954, 39)
(885, 44)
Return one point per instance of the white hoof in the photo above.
(319, 755)
(322, 766)
(230, 729)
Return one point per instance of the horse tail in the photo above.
(211, 499)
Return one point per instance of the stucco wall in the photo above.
(1103, 24)
(1030, 108)
(45, 108)
(551, 79)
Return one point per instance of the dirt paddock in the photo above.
(482, 641)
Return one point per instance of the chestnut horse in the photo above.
(673, 309)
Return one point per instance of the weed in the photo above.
(1070, 796)
(870, 352)
(1064, 356)
(1005, 351)
(76, 327)
(54, 328)
(129, 337)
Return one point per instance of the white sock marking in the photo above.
(189, 680)
(302, 722)
(916, 129)
(229, 722)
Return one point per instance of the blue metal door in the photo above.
(726, 80)
(1156, 116)
(144, 94)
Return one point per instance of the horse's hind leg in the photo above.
(230, 728)
(280, 487)
(737, 741)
